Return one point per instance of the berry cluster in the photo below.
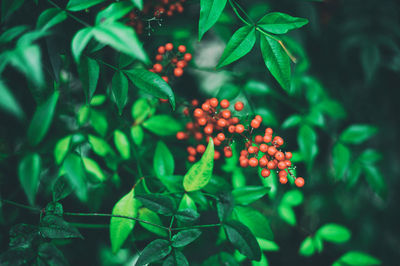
(214, 120)
(157, 9)
(170, 62)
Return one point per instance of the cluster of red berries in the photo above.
(157, 9)
(214, 120)
(171, 62)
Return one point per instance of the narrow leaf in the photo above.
(122, 143)
(152, 217)
(280, 23)
(334, 233)
(356, 134)
(307, 247)
(249, 194)
(210, 11)
(89, 71)
(8, 102)
(162, 125)
(185, 237)
(77, 5)
(341, 160)
(161, 204)
(154, 251)
(163, 162)
(119, 90)
(28, 173)
(79, 42)
(255, 221)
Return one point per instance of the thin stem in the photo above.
(90, 226)
(106, 64)
(238, 14)
(116, 216)
(170, 227)
(195, 226)
(139, 167)
(20, 205)
(69, 14)
(244, 12)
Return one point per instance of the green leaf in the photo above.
(113, 12)
(370, 156)
(79, 42)
(141, 109)
(154, 251)
(187, 203)
(334, 233)
(61, 188)
(291, 121)
(27, 59)
(151, 83)
(89, 71)
(10, 34)
(249, 194)
(287, 214)
(54, 208)
(137, 135)
(340, 159)
(97, 100)
(255, 221)
(122, 38)
(267, 245)
(119, 90)
(357, 258)
(332, 108)
(152, 217)
(255, 87)
(120, 228)
(187, 215)
(269, 118)
(138, 4)
(176, 259)
(50, 17)
(161, 204)
(318, 244)
(307, 247)
(54, 227)
(8, 102)
(93, 168)
(78, 5)
(122, 143)
(162, 125)
(375, 180)
(41, 120)
(28, 173)
(239, 45)
(280, 23)
(99, 146)
(99, 122)
(62, 148)
(225, 204)
(210, 11)
(243, 240)
(163, 162)
(51, 255)
(307, 140)
(276, 60)
(185, 237)
(75, 173)
(292, 198)
(200, 173)
(356, 134)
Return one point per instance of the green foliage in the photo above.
(210, 11)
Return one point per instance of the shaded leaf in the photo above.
(77, 5)
(280, 23)
(187, 215)
(249, 194)
(307, 140)
(176, 259)
(334, 233)
(185, 237)
(119, 90)
(8, 102)
(161, 204)
(79, 42)
(152, 217)
(28, 173)
(356, 134)
(61, 188)
(341, 160)
(154, 251)
(89, 71)
(255, 221)
(163, 162)
(210, 11)
(75, 173)
(54, 227)
(50, 17)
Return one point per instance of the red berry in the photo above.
(283, 180)
(195, 102)
(255, 123)
(198, 112)
(205, 107)
(221, 136)
(231, 129)
(224, 103)
(182, 48)
(268, 131)
(208, 129)
(201, 148)
(258, 139)
(228, 153)
(217, 155)
(264, 148)
(198, 135)
(191, 150)
(271, 165)
(239, 106)
(243, 153)
(187, 57)
(299, 182)
(159, 57)
(253, 162)
(239, 128)
(169, 46)
(161, 49)
(263, 161)
(178, 72)
(214, 102)
(217, 142)
(283, 173)
(267, 138)
(279, 156)
(191, 158)
(181, 64)
(186, 111)
(235, 120)
(244, 163)
(282, 165)
(226, 113)
(222, 122)
(165, 78)
(252, 149)
(265, 173)
(288, 163)
(258, 118)
(157, 68)
(202, 121)
(278, 140)
(181, 135)
(288, 155)
(174, 60)
(272, 150)
(189, 125)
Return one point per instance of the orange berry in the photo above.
(214, 102)
(202, 121)
(243, 153)
(182, 48)
(258, 118)
(253, 162)
(228, 153)
(282, 165)
(283, 173)
(226, 113)
(263, 161)
(191, 158)
(299, 182)
(239, 128)
(217, 142)
(271, 165)
(244, 163)
(157, 68)
(239, 106)
(258, 139)
(187, 57)
(191, 150)
(181, 64)
(288, 163)
(221, 136)
(283, 180)
(252, 149)
(174, 60)
(272, 150)
(279, 156)
(169, 46)
(198, 112)
(198, 135)
(205, 107)
(161, 49)
(235, 120)
(278, 140)
(195, 102)
(159, 57)
(222, 122)
(265, 173)
(178, 72)
(288, 155)
(181, 135)
(165, 78)
(267, 138)
(208, 129)
(224, 103)
(189, 125)
(268, 131)
(231, 129)
(264, 148)
(217, 155)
